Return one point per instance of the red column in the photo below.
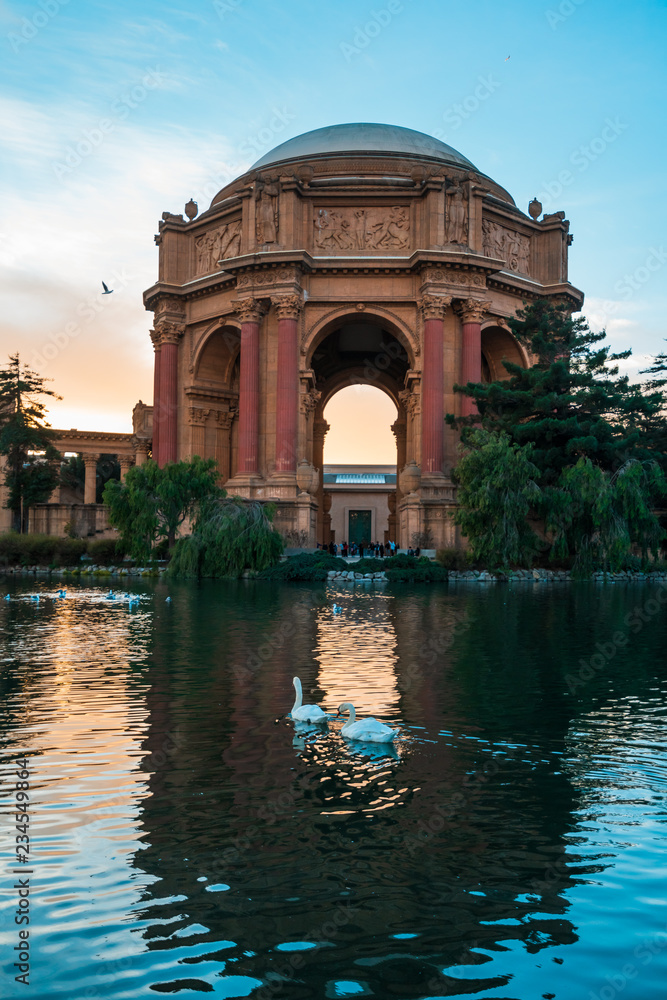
(471, 312)
(168, 415)
(155, 448)
(287, 397)
(433, 384)
(248, 448)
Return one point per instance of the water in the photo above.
(186, 839)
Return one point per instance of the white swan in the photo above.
(365, 730)
(305, 713)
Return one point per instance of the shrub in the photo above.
(453, 559)
(308, 566)
(105, 551)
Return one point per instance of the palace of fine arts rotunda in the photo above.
(359, 253)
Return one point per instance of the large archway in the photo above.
(357, 351)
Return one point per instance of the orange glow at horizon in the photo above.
(360, 418)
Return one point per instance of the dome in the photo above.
(364, 137)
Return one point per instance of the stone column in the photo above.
(320, 428)
(155, 337)
(197, 431)
(287, 387)
(170, 334)
(471, 312)
(140, 452)
(89, 490)
(125, 462)
(433, 384)
(223, 449)
(250, 311)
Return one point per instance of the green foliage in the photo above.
(40, 550)
(497, 490)
(408, 569)
(153, 502)
(32, 467)
(307, 566)
(598, 517)
(106, 551)
(571, 402)
(455, 559)
(231, 535)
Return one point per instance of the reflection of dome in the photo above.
(364, 137)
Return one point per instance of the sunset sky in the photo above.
(111, 114)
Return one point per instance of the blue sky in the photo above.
(111, 113)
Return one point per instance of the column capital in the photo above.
(155, 339)
(90, 459)
(287, 306)
(309, 400)
(225, 418)
(168, 332)
(197, 416)
(435, 306)
(472, 310)
(250, 310)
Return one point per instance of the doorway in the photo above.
(359, 527)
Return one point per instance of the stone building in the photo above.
(354, 253)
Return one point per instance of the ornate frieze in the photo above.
(341, 229)
(434, 306)
(197, 416)
(287, 306)
(309, 401)
(451, 276)
(170, 305)
(274, 276)
(217, 244)
(497, 241)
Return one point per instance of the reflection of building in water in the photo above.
(356, 651)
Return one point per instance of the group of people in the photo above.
(365, 550)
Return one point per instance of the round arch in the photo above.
(217, 353)
(376, 316)
(498, 345)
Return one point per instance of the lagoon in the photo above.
(185, 838)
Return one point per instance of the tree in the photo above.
(571, 402)
(598, 516)
(32, 467)
(229, 536)
(153, 502)
(496, 492)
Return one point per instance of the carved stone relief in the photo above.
(362, 228)
(457, 215)
(497, 241)
(272, 277)
(266, 211)
(217, 244)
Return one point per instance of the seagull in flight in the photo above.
(107, 291)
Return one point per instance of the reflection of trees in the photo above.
(461, 839)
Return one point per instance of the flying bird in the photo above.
(507, 58)
(107, 291)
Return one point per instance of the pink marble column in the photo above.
(471, 312)
(170, 334)
(155, 448)
(287, 395)
(433, 384)
(251, 312)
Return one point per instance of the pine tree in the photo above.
(32, 465)
(571, 402)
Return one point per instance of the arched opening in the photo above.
(499, 345)
(359, 470)
(360, 370)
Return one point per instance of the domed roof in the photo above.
(364, 137)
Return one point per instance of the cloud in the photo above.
(63, 233)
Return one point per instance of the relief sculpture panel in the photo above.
(217, 244)
(362, 228)
(507, 245)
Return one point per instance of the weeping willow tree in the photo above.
(230, 536)
(599, 518)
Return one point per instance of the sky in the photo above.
(112, 113)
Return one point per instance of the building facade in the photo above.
(356, 253)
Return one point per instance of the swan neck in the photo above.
(299, 694)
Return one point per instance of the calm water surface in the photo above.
(186, 838)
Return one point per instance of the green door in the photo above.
(359, 527)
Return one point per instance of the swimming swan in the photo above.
(366, 730)
(305, 713)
